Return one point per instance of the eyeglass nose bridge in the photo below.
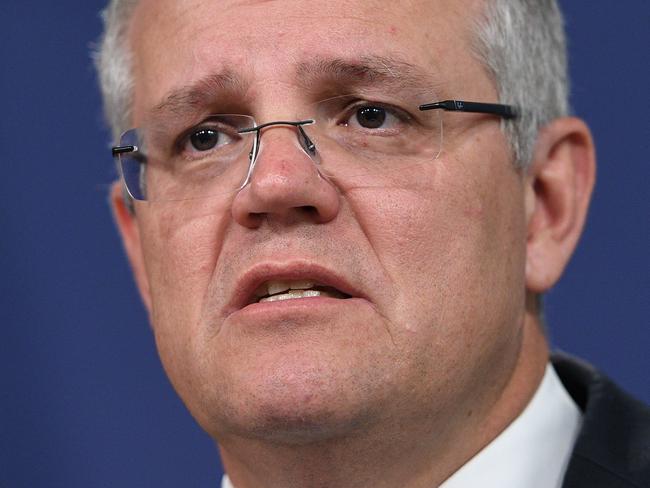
(305, 141)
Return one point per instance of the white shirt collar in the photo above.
(225, 482)
(533, 451)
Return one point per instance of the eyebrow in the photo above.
(186, 100)
(366, 71)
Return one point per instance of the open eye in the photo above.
(371, 116)
(205, 139)
(208, 137)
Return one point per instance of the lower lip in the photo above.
(306, 305)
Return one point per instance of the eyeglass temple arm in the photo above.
(505, 111)
(117, 150)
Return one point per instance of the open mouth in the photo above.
(274, 291)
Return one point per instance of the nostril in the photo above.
(310, 209)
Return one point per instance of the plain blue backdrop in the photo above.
(83, 399)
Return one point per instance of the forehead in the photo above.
(267, 44)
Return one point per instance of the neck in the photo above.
(398, 453)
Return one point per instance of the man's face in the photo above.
(430, 262)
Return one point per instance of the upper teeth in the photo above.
(293, 294)
(275, 287)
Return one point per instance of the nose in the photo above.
(285, 185)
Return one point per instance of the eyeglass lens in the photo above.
(353, 138)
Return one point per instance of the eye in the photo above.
(208, 137)
(372, 117)
(205, 139)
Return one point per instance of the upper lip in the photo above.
(244, 291)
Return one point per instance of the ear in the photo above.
(558, 190)
(127, 225)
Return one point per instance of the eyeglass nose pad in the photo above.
(255, 150)
(304, 140)
(306, 143)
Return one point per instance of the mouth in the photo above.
(269, 283)
(277, 290)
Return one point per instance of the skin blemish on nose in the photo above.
(392, 30)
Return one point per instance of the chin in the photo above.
(289, 385)
(293, 413)
(299, 427)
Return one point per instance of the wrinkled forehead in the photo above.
(279, 48)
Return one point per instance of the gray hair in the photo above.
(520, 42)
(113, 61)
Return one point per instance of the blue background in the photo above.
(83, 399)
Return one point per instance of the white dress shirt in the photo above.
(532, 452)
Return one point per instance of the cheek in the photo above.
(180, 255)
(453, 244)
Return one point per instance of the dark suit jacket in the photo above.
(613, 447)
